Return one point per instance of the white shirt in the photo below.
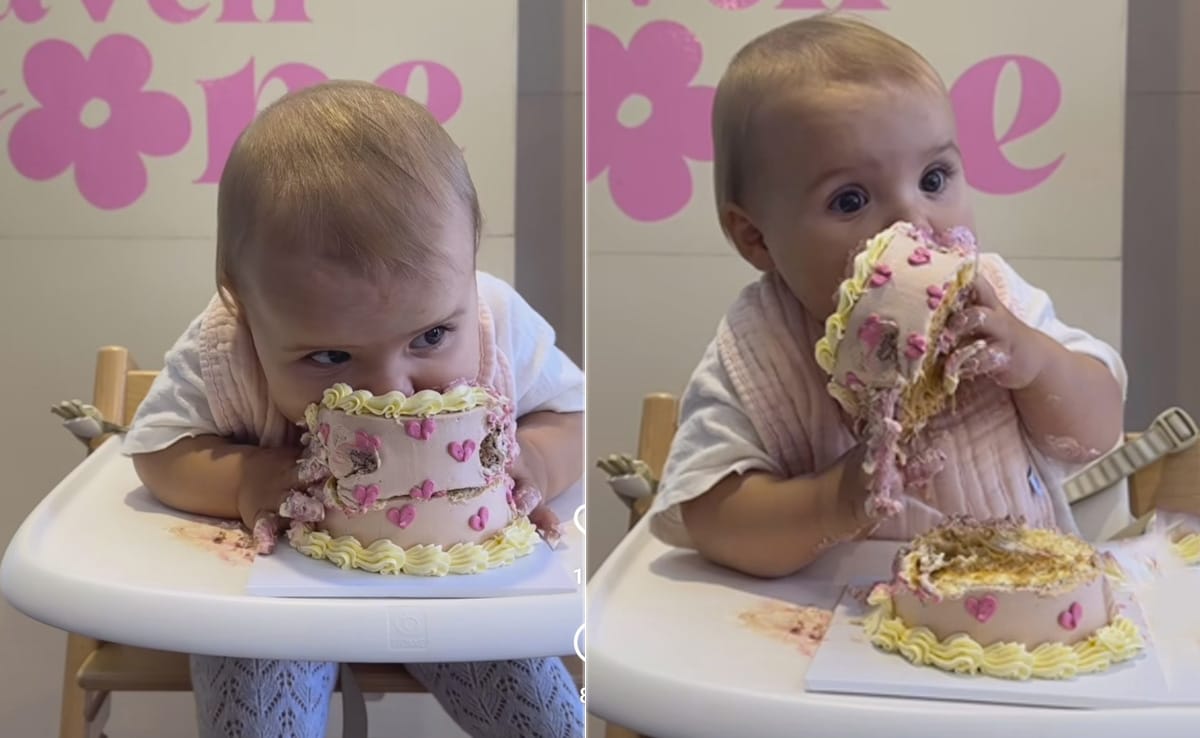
(716, 437)
(544, 378)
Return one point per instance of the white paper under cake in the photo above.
(847, 662)
(289, 573)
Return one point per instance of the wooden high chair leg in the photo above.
(83, 713)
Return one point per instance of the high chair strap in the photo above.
(1170, 433)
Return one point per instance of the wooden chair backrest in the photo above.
(119, 386)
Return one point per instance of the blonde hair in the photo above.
(343, 170)
(821, 49)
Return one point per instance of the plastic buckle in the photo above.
(1179, 428)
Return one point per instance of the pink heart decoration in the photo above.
(366, 441)
(422, 491)
(871, 331)
(366, 495)
(917, 344)
(421, 430)
(981, 608)
(1069, 618)
(882, 275)
(479, 520)
(402, 517)
(462, 451)
(936, 294)
(919, 256)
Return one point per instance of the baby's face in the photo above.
(844, 164)
(316, 323)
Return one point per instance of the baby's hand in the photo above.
(995, 343)
(267, 479)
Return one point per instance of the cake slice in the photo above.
(885, 346)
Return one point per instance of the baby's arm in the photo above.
(723, 495)
(210, 475)
(548, 389)
(766, 526)
(184, 462)
(1070, 402)
(550, 458)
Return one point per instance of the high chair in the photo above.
(95, 669)
(1172, 481)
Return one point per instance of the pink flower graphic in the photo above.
(94, 114)
(646, 160)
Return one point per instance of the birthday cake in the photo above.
(886, 345)
(1001, 599)
(414, 485)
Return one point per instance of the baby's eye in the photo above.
(849, 201)
(934, 180)
(328, 358)
(431, 337)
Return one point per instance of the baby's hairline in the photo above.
(750, 163)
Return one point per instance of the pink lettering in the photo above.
(242, 11)
(232, 102)
(826, 5)
(173, 11)
(799, 4)
(26, 11)
(98, 10)
(974, 97)
(444, 91)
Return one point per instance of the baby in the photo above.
(827, 131)
(347, 231)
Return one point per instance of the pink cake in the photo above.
(1001, 599)
(416, 485)
(886, 345)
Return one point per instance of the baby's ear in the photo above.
(746, 237)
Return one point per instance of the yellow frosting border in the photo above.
(515, 540)
(1188, 548)
(1116, 642)
(458, 399)
(848, 293)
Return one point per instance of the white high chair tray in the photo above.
(99, 556)
(678, 647)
